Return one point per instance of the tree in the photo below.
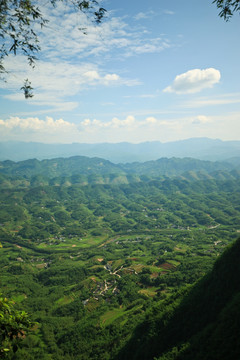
(14, 325)
(19, 20)
(227, 7)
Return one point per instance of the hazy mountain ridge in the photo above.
(83, 170)
(175, 166)
(200, 148)
(58, 167)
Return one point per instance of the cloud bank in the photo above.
(194, 81)
(129, 128)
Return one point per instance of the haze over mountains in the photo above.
(83, 170)
(199, 148)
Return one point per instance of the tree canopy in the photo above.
(14, 326)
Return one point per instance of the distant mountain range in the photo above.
(199, 148)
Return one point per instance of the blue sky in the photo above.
(153, 70)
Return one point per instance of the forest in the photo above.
(120, 261)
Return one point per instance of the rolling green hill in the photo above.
(82, 170)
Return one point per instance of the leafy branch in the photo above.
(227, 8)
(14, 326)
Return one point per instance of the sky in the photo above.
(156, 70)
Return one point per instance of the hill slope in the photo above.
(204, 325)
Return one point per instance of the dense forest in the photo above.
(121, 261)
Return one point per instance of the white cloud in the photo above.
(35, 129)
(111, 79)
(92, 75)
(108, 79)
(151, 120)
(201, 119)
(130, 123)
(58, 77)
(35, 124)
(194, 81)
(114, 123)
(64, 39)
